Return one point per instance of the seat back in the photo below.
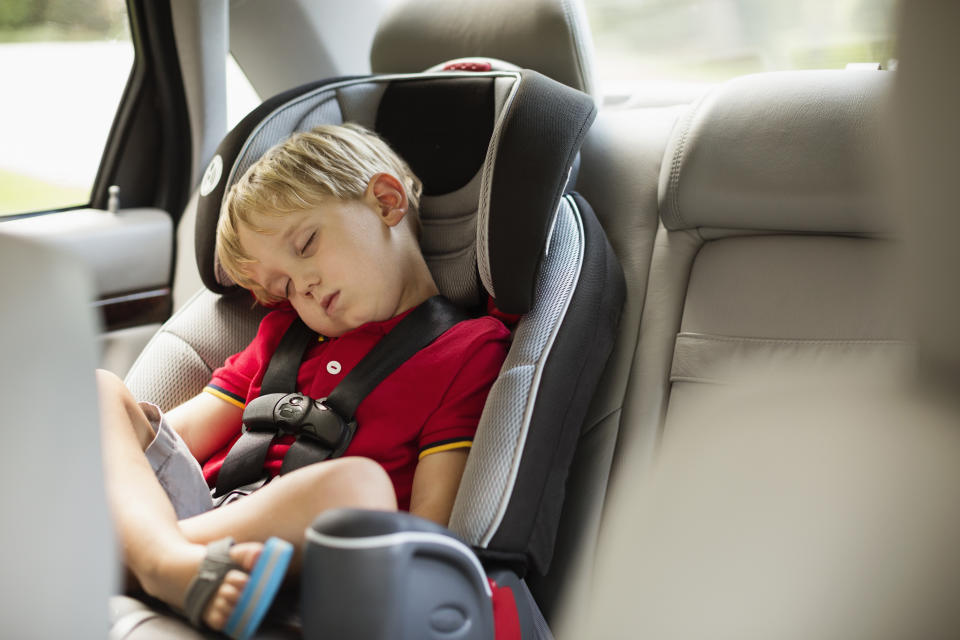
(774, 257)
(548, 36)
(495, 152)
(775, 247)
(825, 479)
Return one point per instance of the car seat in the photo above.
(496, 152)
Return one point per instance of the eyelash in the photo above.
(307, 243)
(300, 252)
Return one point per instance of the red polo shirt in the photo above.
(431, 403)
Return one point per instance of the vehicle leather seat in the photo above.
(776, 260)
(806, 477)
(775, 244)
(549, 36)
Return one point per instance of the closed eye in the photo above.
(307, 244)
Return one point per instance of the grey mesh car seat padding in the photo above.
(495, 152)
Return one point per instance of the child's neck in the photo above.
(420, 286)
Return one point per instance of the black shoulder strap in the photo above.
(244, 462)
(281, 373)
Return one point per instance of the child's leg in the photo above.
(154, 548)
(288, 504)
(164, 554)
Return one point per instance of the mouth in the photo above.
(328, 301)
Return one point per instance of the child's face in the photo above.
(341, 265)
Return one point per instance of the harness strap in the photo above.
(244, 462)
(422, 326)
(418, 329)
(281, 373)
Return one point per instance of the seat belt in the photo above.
(324, 427)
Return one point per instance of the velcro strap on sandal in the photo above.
(216, 563)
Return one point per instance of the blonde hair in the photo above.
(330, 161)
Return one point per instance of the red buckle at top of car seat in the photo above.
(467, 66)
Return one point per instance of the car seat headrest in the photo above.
(494, 151)
(549, 36)
(784, 151)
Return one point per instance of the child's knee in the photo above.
(112, 389)
(366, 482)
(119, 408)
(108, 382)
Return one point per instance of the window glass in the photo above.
(63, 68)
(712, 40)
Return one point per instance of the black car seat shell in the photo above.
(496, 152)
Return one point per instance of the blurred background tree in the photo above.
(34, 20)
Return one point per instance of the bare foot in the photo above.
(169, 579)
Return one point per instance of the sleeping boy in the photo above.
(324, 226)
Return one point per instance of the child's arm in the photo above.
(435, 484)
(206, 423)
(473, 355)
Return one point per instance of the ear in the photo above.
(387, 194)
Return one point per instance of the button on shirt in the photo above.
(431, 403)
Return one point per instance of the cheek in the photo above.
(302, 309)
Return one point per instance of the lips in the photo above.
(328, 300)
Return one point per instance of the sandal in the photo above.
(257, 596)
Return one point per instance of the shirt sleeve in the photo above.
(232, 382)
(454, 423)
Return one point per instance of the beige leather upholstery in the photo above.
(772, 264)
(779, 151)
(549, 36)
(758, 191)
(794, 508)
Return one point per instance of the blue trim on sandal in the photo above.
(265, 580)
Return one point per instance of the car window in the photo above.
(642, 41)
(63, 68)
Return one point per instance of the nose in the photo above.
(304, 283)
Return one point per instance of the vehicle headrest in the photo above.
(784, 151)
(494, 151)
(549, 36)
